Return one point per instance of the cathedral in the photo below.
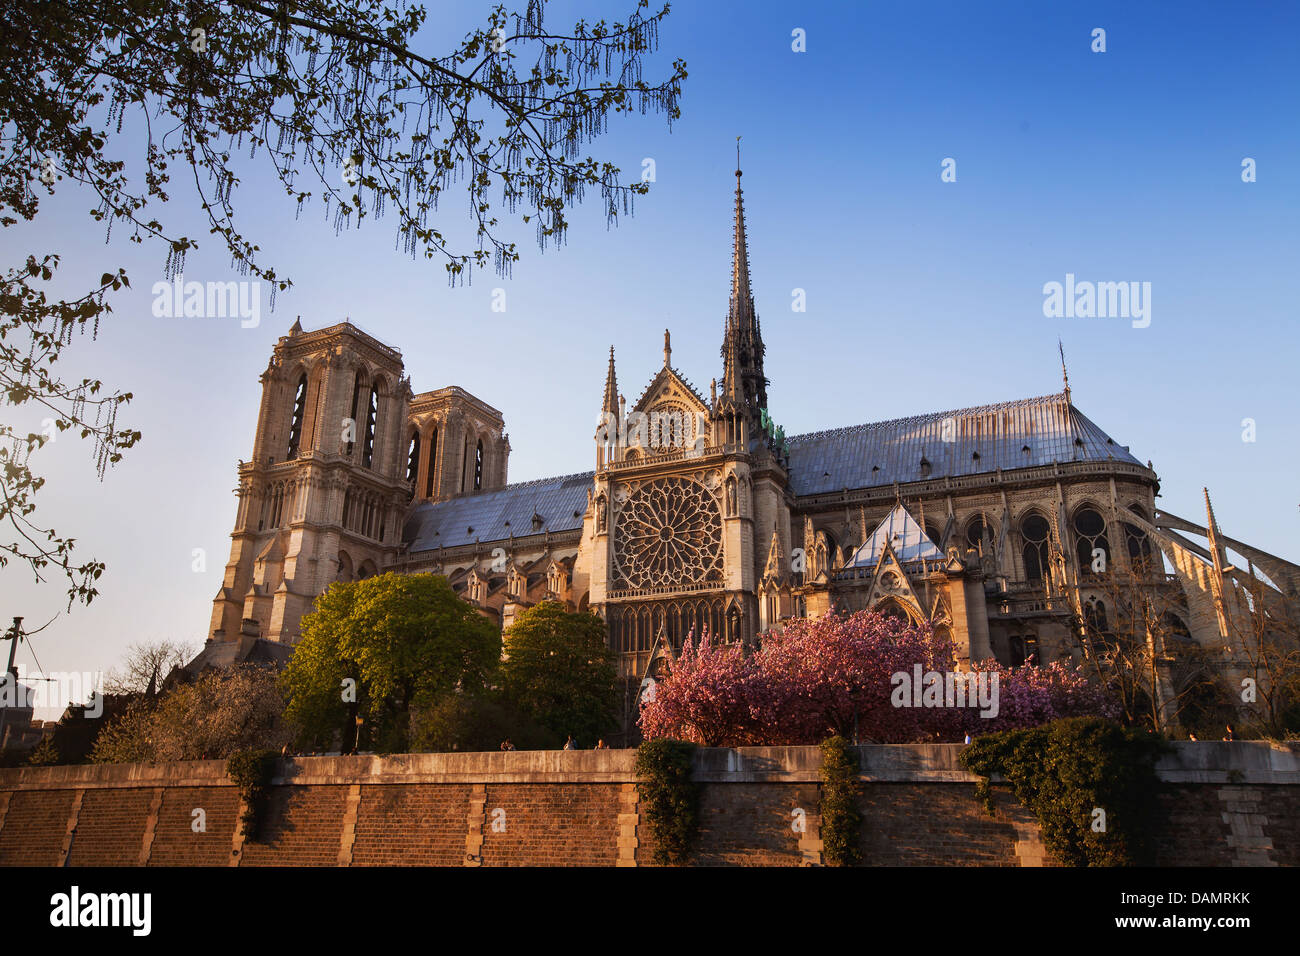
(1003, 526)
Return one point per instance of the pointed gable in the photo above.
(670, 387)
(900, 533)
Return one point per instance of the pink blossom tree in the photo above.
(710, 698)
(1031, 695)
(836, 675)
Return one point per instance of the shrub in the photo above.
(669, 798)
(251, 771)
(1068, 769)
(841, 819)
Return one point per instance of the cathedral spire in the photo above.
(610, 402)
(743, 383)
(1065, 375)
(741, 312)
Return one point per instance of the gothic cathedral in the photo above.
(998, 524)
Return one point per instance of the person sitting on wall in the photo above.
(601, 745)
(569, 744)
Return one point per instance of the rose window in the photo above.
(668, 534)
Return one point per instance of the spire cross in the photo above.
(1065, 375)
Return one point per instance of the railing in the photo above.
(665, 589)
(648, 456)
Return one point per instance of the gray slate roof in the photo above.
(1019, 434)
(494, 515)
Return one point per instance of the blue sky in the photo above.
(921, 295)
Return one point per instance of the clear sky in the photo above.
(922, 295)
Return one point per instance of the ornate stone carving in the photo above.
(668, 533)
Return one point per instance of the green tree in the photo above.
(477, 722)
(341, 101)
(380, 649)
(559, 671)
(45, 753)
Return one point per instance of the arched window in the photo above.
(1036, 531)
(1090, 536)
(413, 458)
(1136, 540)
(1094, 616)
(277, 504)
(295, 424)
(827, 561)
(478, 465)
(891, 608)
(372, 418)
(431, 464)
(351, 434)
(979, 537)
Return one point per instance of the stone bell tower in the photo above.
(324, 495)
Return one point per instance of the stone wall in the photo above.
(1226, 804)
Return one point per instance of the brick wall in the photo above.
(176, 841)
(302, 827)
(1195, 833)
(34, 827)
(1223, 804)
(754, 824)
(411, 826)
(1282, 810)
(110, 828)
(907, 825)
(539, 824)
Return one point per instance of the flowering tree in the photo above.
(838, 674)
(224, 711)
(833, 675)
(1030, 696)
(713, 697)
